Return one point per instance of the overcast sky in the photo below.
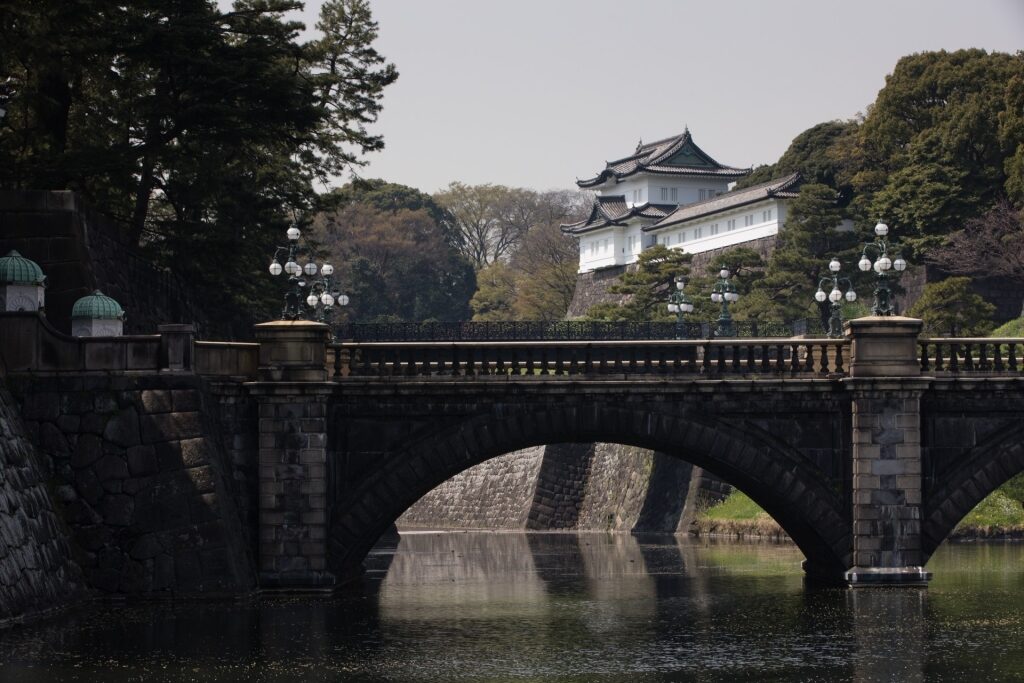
(536, 93)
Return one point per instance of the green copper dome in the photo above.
(15, 269)
(97, 306)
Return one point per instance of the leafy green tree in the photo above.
(810, 240)
(203, 131)
(645, 290)
(929, 153)
(812, 154)
(495, 296)
(395, 264)
(950, 307)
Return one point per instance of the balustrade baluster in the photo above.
(938, 357)
(559, 370)
(954, 357)
(766, 362)
(1013, 356)
(662, 361)
(529, 361)
(632, 359)
(706, 359)
(454, 370)
(839, 360)
(337, 361)
(968, 358)
(924, 356)
(809, 359)
(997, 357)
(720, 365)
(544, 361)
(983, 362)
(737, 360)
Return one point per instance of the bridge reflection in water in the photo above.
(480, 606)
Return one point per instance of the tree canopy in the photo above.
(203, 131)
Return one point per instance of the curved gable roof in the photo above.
(678, 155)
(613, 210)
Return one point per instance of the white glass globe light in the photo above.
(851, 296)
(687, 308)
(723, 273)
(885, 263)
(327, 269)
(732, 296)
(275, 267)
(680, 284)
(310, 269)
(881, 229)
(673, 308)
(327, 299)
(311, 299)
(864, 263)
(834, 266)
(343, 300)
(292, 268)
(716, 297)
(820, 295)
(899, 265)
(835, 296)
(293, 233)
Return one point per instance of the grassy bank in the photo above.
(1001, 515)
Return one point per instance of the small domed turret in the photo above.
(97, 315)
(22, 284)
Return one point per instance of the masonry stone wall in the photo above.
(142, 481)
(496, 494)
(38, 573)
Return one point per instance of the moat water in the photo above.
(560, 607)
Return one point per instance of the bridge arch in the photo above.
(978, 473)
(781, 480)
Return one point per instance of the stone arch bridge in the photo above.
(867, 450)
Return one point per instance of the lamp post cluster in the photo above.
(679, 304)
(312, 294)
(882, 265)
(835, 297)
(724, 292)
(885, 266)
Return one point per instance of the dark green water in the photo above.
(561, 607)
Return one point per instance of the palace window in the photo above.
(664, 194)
(714, 228)
(701, 194)
(675, 194)
(748, 219)
(697, 233)
(730, 224)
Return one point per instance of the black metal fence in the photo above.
(571, 330)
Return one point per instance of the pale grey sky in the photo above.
(536, 93)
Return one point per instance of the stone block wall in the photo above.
(494, 495)
(38, 573)
(562, 479)
(143, 485)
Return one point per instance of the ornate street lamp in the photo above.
(882, 265)
(724, 292)
(835, 297)
(310, 297)
(679, 304)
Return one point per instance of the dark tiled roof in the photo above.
(780, 188)
(613, 210)
(677, 155)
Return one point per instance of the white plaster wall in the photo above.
(760, 227)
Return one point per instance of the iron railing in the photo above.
(993, 355)
(568, 330)
(506, 360)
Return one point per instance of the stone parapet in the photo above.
(292, 351)
(884, 346)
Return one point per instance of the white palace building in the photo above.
(670, 192)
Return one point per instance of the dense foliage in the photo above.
(203, 131)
